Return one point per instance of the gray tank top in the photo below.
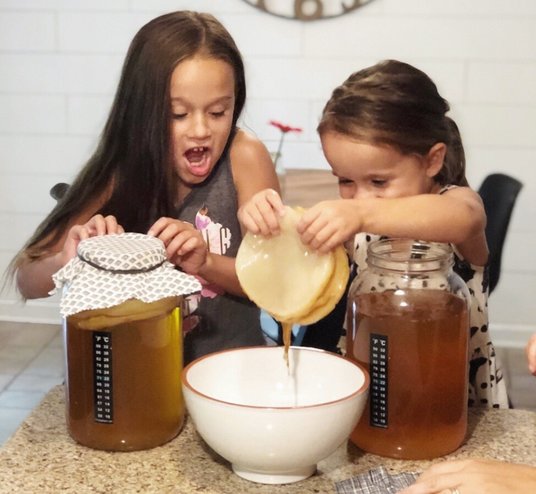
(215, 320)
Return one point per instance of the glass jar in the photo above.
(123, 364)
(121, 308)
(408, 324)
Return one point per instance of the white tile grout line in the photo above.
(43, 347)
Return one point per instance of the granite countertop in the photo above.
(42, 458)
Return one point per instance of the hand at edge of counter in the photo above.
(475, 476)
(530, 351)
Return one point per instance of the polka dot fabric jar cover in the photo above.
(111, 269)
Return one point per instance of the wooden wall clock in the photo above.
(307, 10)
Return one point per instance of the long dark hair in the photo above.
(132, 162)
(393, 103)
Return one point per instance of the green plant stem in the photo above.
(280, 147)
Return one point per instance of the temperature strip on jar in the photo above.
(102, 376)
(378, 380)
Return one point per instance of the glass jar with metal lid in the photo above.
(408, 324)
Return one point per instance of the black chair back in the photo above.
(58, 191)
(499, 193)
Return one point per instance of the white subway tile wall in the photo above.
(60, 61)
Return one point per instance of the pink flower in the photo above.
(284, 130)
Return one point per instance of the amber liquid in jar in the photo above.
(422, 404)
(143, 407)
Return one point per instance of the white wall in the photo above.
(60, 60)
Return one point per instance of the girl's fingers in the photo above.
(267, 219)
(97, 225)
(261, 213)
(256, 223)
(179, 237)
(249, 223)
(183, 243)
(326, 240)
(100, 225)
(167, 228)
(309, 229)
(255, 219)
(191, 244)
(76, 232)
(158, 226)
(308, 218)
(111, 225)
(163, 224)
(107, 225)
(189, 252)
(274, 199)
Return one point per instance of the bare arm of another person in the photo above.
(475, 476)
(456, 216)
(34, 276)
(530, 350)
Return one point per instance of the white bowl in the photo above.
(273, 422)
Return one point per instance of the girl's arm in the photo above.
(253, 171)
(34, 276)
(34, 272)
(456, 216)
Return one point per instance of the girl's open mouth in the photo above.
(198, 159)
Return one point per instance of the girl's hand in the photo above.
(329, 224)
(185, 246)
(262, 212)
(530, 350)
(96, 226)
(475, 476)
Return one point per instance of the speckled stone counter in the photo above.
(42, 458)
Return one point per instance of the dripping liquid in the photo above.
(287, 333)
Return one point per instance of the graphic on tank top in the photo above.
(218, 240)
